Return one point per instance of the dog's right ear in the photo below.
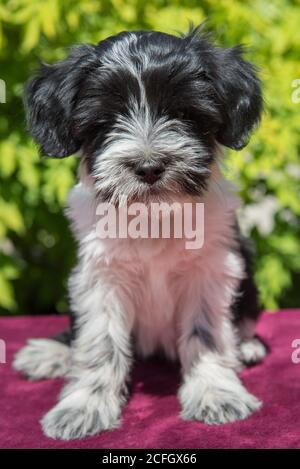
(50, 98)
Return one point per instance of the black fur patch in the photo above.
(246, 305)
(205, 336)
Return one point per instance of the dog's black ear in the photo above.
(239, 97)
(50, 98)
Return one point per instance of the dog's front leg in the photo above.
(101, 358)
(211, 391)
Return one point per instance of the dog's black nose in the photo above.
(150, 171)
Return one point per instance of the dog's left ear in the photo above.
(239, 97)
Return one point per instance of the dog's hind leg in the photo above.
(246, 309)
(45, 358)
(252, 351)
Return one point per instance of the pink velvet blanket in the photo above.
(151, 418)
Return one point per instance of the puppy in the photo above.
(148, 113)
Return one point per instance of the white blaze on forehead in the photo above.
(120, 54)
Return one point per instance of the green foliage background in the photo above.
(36, 248)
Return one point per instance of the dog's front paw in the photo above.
(216, 404)
(69, 420)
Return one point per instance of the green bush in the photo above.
(36, 248)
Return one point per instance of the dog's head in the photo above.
(146, 110)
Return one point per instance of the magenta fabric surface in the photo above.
(151, 418)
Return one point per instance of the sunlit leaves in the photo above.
(58, 177)
(7, 301)
(33, 232)
(272, 278)
(10, 217)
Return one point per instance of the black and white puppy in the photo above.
(149, 113)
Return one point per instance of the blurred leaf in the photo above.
(6, 294)
(272, 278)
(10, 216)
(31, 34)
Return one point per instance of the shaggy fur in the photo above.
(149, 112)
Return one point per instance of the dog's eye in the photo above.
(182, 115)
